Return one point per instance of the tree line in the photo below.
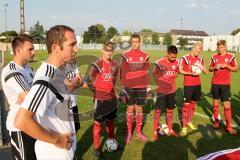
(97, 33)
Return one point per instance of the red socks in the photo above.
(169, 118)
(215, 112)
(96, 134)
(139, 122)
(129, 119)
(185, 111)
(191, 111)
(110, 127)
(228, 117)
(156, 119)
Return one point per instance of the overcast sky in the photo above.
(211, 16)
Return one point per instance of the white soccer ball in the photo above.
(219, 118)
(196, 69)
(163, 129)
(111, 145)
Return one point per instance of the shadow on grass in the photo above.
(86, 140)
(235, 103)
(184, 148)
(169, 148)
(214, 140)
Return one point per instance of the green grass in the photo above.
(197, 143)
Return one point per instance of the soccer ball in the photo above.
(163, 129)
(219, 118)
(196, 69)
(111, 145)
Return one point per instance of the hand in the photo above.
(224, 65)
(149, 95)
(218, 66)
(123, 96)
(75, 82)
(21, 97)
(80, 81)
(64, 141)
(195, 73)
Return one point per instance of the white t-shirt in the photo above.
(13, 86)
(70, 71)
(50, 112)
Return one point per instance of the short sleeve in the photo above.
(233, 61)
(38, 99)
(17, 83)
(211, 64)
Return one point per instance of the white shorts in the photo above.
(47, 151)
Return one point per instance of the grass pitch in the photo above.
(197, 143)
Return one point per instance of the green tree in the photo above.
(86, 37)
(111, 32)
(146, 35)
(37, 32)
(146, 30)
(95, 34)
(183, 42)
(9, 36)
(126, 33)
(236, 31)
(155, 38)
(167, 40)
(101, 30)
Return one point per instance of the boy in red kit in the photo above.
(191, 66)
(103, 74)
(134, 80)
(222, 64)
(165, 74)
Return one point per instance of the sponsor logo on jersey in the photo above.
(107, 76)
(169, 74)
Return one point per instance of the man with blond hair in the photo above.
(191, 65)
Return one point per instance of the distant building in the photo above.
(79, 39)
(161, 38)
(120, 38)
(193, 36)
(233, 42)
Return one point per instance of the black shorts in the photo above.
(105, 110)
(192, 93)
(221, 92)
(76, 117)
(22, 146)
(136, 96)
(165, 101)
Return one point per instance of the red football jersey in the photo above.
(187, 62)
(104, 75)
(222, 76)
(135, 69)
(165, 74)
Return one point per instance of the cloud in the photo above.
(192, 4)
(234, 12)
(54, 17)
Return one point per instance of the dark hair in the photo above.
(108, 44)
(135, 35)
(172, 49)
(221, 42)
(56, 35)
(19, 40)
